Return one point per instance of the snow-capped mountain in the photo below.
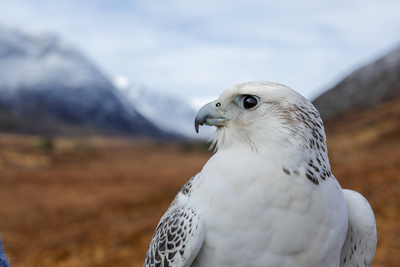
(47, 82)
(168, 112)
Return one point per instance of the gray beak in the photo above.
(212, 114)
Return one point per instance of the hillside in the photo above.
(361, 115)
(168, 112)
(366, 87)
(48, 86)
(364, 150)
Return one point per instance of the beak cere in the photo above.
(212, 114)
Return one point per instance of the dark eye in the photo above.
(249, 102)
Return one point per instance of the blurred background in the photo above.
(98, 99)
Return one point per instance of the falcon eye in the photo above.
(249, 102)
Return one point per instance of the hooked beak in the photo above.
(212, 114)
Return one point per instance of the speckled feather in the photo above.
(267, 197)
(178, 236)
(359, 248)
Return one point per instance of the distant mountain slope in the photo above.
(51, 85)
(168, 112)
(367, 87)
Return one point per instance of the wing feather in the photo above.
(361, 239)
(177, 239)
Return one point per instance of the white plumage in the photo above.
(267, 196)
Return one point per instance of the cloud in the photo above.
(198, 48)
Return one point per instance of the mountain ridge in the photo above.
(366, 87)
(47, 81)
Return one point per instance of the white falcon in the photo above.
(267, 197)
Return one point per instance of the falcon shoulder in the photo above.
(179, 235)
(361, 239)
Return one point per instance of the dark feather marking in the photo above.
(187, 187)
(171, 255)
(312, 179)
(286, 171)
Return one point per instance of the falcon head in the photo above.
(263, 114)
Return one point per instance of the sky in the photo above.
(196, 49)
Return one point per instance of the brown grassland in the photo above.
(96, 201)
